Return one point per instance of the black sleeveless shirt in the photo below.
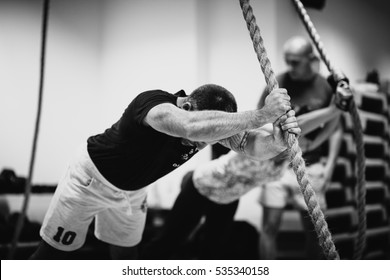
(131, 155)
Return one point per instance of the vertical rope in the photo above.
(338, 76)
(297, 162)
(20, 222)
(360, 242)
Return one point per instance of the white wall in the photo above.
(101, 53)
(71, 83)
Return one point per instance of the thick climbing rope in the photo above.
(20, 221)
(338, 76)
(297, 162)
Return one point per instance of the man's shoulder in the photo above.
(145, 101)
(322, 81)
(321, 78)
(154, 95)
(158, 92)
(153, 92)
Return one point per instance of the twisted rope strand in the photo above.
(360, 242)
(297, 161)
(338, 76)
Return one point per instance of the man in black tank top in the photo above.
(157, 133)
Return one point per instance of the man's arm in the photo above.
(205, 126)
(262, 144)
(314, 119)
(208, 126)
(257, 144)
(326, 132)
(265, 142)
(334, 149)
(261, 102)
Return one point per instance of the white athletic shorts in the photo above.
(279, 193)
(83, 194)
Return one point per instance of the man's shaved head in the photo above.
(299, 56)
(298, 46)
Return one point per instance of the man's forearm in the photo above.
(324, 134)
(334, 148)
(262, 147)
(258, 144)
(312, 120)
(202, 126)
(211, 126)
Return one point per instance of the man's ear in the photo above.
(187, 106)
